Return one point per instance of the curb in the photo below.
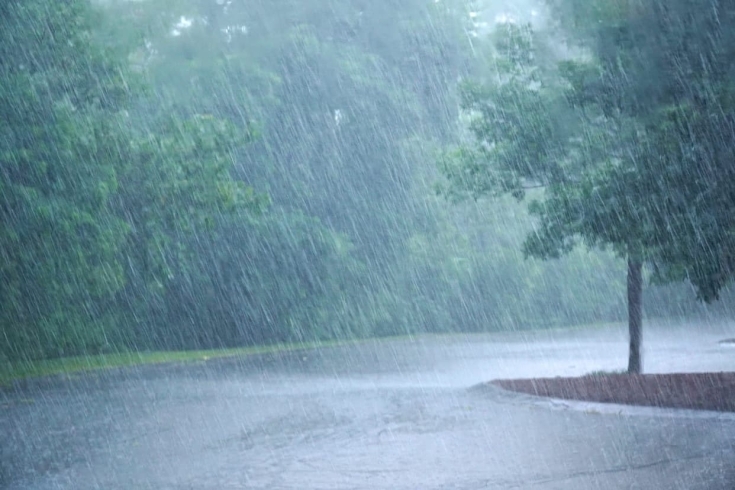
(598, 408)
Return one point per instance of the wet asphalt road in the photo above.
(397, 415)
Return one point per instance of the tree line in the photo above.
(195, 174)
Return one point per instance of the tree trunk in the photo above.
(635, 320)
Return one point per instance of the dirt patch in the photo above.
(699, 391)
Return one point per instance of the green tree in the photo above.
(666, 69)
(174, 182)
(531, 136)
(624, 139)
(60, 103)
(98, 199)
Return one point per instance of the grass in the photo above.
(14, 371)
(68, 365)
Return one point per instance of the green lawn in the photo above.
(13, 371)
(67, 365)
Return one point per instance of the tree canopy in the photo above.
(668, 67)
(84, 190)
(184, 174)
(625, 134)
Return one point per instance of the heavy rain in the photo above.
(367, 244)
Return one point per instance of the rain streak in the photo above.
(367, 244)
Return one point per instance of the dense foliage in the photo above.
(664, 71)
(190, 174)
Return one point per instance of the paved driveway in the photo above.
(378, 415)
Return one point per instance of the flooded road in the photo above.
(398, 414)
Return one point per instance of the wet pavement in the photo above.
(401, 414)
